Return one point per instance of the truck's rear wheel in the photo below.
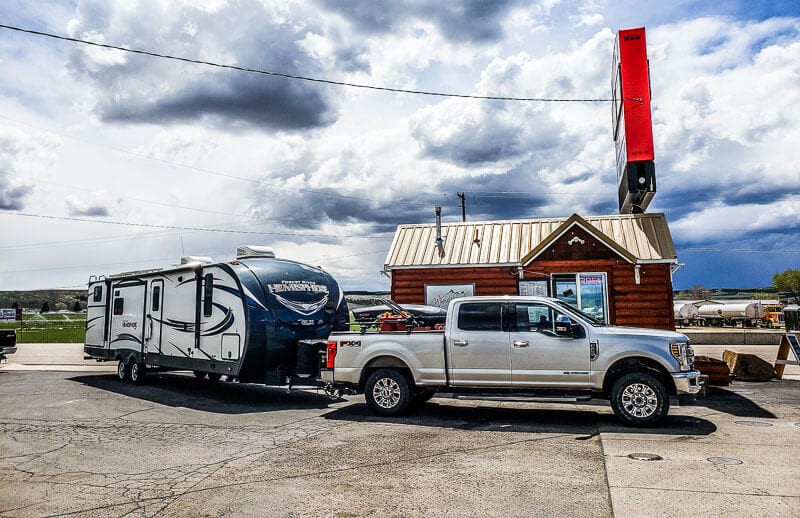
(639, 399)
(122, 370)
(387, 392)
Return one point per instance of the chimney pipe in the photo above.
(439, 240)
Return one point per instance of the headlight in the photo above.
(683, 353)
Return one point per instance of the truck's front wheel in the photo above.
(387, 392)
(639, 399)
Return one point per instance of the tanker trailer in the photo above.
(746, 314)
(685, 314)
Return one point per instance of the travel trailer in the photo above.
(246, 319)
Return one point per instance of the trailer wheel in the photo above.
(214, 376)
(122, 370)
(138, 372)
(639, 399)
(199, 374)
(387, 392)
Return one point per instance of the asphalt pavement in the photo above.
(77, 442)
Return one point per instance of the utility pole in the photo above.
(463, 199)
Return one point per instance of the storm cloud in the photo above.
(21, 154)
(140, 89)
(468, 20)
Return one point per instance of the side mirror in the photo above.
(563, 329)
(569, 329)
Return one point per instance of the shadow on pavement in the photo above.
(582, 421)
(745, 399)
(180, 390)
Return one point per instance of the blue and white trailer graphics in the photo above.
(245, 318)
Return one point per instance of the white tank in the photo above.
(684, 310)
(742, 310)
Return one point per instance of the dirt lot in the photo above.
(76, 442)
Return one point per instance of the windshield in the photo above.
(591, 320)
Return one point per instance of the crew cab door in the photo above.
(545, 352)
(477, 345)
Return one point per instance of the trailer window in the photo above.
(208, 295)
(484, 316)
(98, 294)
(156, 297)
(119, 304)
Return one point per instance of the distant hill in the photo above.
(34, 299)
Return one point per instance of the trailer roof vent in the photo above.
(246, 251)
(195, 259)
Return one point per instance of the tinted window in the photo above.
(482, 316)
(119, 304)
(98, 294)
(156, 297)
(208, 308)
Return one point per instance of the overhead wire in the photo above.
(194, 229)
(298, 77)
(267, 182)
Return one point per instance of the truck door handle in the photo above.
(460, 343)
(521, 343)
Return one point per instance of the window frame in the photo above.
(118, 307)
(502, 324)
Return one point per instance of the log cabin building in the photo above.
(616, 268)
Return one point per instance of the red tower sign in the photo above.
(632, 122)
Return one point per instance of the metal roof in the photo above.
(638, 238)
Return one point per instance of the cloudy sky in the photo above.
(113, 161)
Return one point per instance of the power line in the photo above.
(741, 250)
(163, 260)
(217, 173)
(194, 229)
(296, 77)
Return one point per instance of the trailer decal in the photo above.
(304, 308)
(128, 337)
(178, 325)
(93, 321)
(178, 348)
(226, 323)
(205, 354)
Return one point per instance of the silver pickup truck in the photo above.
(511, 348)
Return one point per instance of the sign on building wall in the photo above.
(441, 294)
(537, 288)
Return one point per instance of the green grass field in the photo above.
(49, 328)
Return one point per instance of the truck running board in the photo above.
(521, 398)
